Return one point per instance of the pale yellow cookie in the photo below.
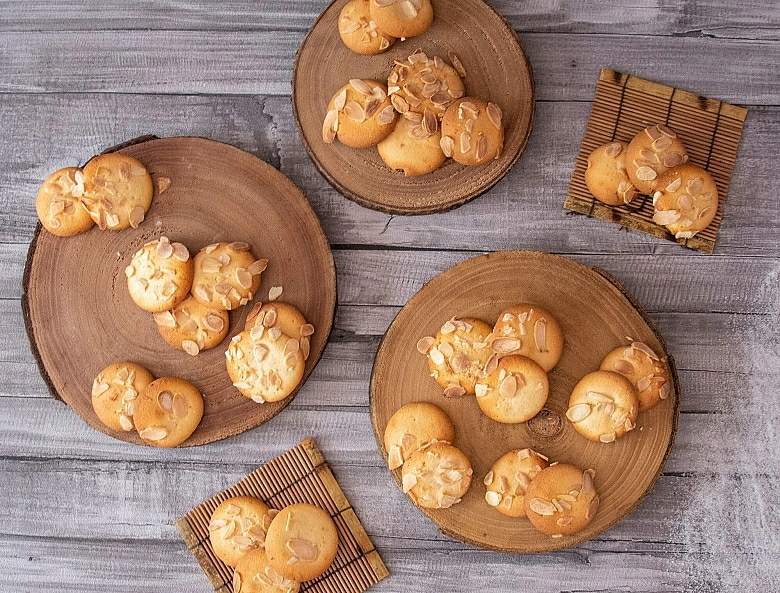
(59, 203)
(227, 275)
(436, 476)
(413, 426)
(114, 393)
(159, 275)
(650, 153)
(458, 354)
(411, 148)
(606, 175)
(192, 326)
(254, 574)
(287, 318)
(167, 411)
(641, 365)
(421, 83)
(508, 478)
(472, 132)
(686, 200)
(359, 33)
(302, 542)
(529, 330)
(402, 18)
(359, 114)
(561, 499)
(238, 526)
(603, 406)
(514, 392)
(118, 191)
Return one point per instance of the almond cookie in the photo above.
(287, 318)
(59, 205)
(114, 392)
(508, 479)
(226, 275)
(603, 406)
(530, 331)
(238, 526)
(514, 392)
(650, 153)
(254, 574)
(640, 365)
(472, 132)
(359, 114)
(118, 191)
(458, 354)
(159, 275)
(402, 18)
(686, 200)
(192, 326)
(561, 499)
(413, 426)
(419, 84)
(411, 148)
(606, 175)
(302, 542)
(167, 411)
(359, 33)
(436, 476)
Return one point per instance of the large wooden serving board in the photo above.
(79, 315)
(596, 315)
(498, 70)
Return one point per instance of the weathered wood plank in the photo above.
(239, 62)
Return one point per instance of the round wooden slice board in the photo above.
(498, 70)
(79, 314)
(596, 315)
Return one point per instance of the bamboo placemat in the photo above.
(299, 475)
(623, 106)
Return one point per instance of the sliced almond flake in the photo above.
(447, 145)
(592, 508)
(460, 362)
(213, 323)
(607, 438)
(646, 173)
(672, 159)
(340, 100)
(481, 390)
(260, 352)
(361, 86)
(409, 481)
(665, 217)
(624, 367)
(258, 399)
(454, 391)
(492, 498)
(394, 457)
(446, 349)
(436, 356)
(644, 383)
(457, 64)
(488, 478)
(508, 387)
(482, 146)
(190, 347)
(274, 333)
(465, 142)
(620, 421)
(329, 126)
(542, 507)
(666, 131)
(274, 293)
(613, 150)
(599, 398)
(629, 424)
(256, 333)
(664, 390)
(491, 364)
(642, 347)
(153, 433)
(165, 401)
(578, 412)
(505, 345)
(126, 422)
(540, 334)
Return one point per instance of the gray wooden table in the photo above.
(84, 512)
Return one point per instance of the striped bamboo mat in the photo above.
(299, 475)
(623, 106)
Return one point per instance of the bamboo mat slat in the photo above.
(299, 475)
(623, 106)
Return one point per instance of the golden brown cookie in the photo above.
(606, 175)
(159, 275)
(302, 542)
(359, 33)
(411, 148)
(413, 426)
(287, 318)
(420, 84)
(650, 153)
(514, 392)
(192, 326)
(641, 365)
(254, 574)
(114, 392)
(531, 331)
(226, 275)
(472, 132)
(359, 114)
(603, 406)
(59, 203)
(118, 191)
(508, 479)
(561, 499)
(458, 354)
(436, 476)
(167, 411)
(402, 18)
(686, 200)
(238, 526)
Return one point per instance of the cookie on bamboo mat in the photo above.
(508, 479)
(302, 542)
(254, 574)
(685, 201)
(641, 365)
(167, 411)
(192, 326)
(436, 476)
(606, 175)
(359, 33)
(159, 275)
(402, 18)
(114, 392)
(561, 499)
(650, 153)
(531, 331)
(58, 204)
(118, 191)
(238, 526)
(514, 392)
(413, 426)
(603, 406)
(227, 275)
(359, 114)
